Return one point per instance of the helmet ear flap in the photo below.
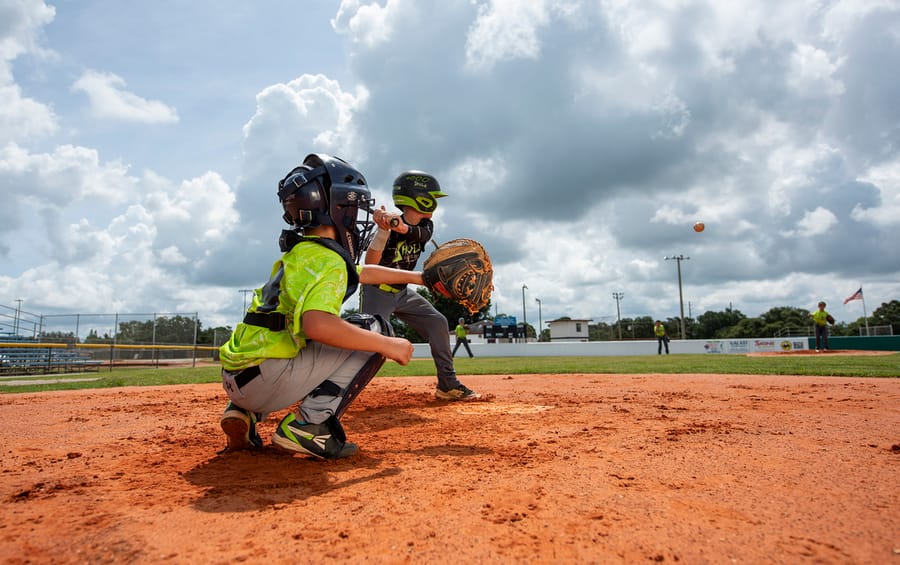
(303, 198)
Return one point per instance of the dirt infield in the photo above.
(574, 468)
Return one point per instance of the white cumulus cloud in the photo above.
(110, 100)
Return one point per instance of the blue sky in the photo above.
(140, 144)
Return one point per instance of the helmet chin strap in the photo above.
(304, 218)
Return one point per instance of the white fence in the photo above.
(631, 347)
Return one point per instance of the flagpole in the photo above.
(865, 316)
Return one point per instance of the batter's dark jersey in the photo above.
(402, 250)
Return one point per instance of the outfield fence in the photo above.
(33, 343)
(22, 357)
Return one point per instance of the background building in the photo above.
(568, 329)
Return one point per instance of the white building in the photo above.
(567, 329)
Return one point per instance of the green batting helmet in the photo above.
(418, 190)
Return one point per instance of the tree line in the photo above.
(732, 324)
(162, 330)
(726, 324)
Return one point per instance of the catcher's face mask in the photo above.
(350, 214)
(327, 191)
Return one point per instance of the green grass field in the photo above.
(883, 366)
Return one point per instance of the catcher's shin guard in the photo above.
(374, 323)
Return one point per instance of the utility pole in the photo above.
(618, 296)
(678, 259)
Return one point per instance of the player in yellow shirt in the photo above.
(292, 345)
(821, 319)
(661, 338)
(462, 337)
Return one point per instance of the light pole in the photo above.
(540, 321)
(18, 316)
(618, 296)
(678, 259)
(245, 291)
(524, 315)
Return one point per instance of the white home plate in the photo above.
(493, 408)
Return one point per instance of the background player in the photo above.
(462, 337)
(399, 241)
(821, 319)
(659, 329)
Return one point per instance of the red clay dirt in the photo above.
(548, 468)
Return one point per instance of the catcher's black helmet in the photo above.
(417, 189)
(327, 191)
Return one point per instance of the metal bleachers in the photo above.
(24, 357)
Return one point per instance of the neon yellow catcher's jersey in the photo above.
(312, 277)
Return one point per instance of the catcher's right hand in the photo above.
(460, 270)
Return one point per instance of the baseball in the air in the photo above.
(699, 227)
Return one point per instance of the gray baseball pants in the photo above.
(419, 314)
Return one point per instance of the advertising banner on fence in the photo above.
(754, 345)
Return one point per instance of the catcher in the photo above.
(292, 345)
(821, 320)
(398, 243)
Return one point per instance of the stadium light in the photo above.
(245, 291)
(524, 315)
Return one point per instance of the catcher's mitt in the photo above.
(829, 319)
(460, 270)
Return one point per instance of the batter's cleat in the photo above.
(325, 440)
(239, 426)
(461, 392)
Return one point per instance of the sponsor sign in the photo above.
(738, 346)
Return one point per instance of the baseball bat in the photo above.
(365, 206)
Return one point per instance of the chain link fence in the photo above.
(55, 342)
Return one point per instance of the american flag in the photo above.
(855, 296)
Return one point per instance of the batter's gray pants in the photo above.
(420, 315)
